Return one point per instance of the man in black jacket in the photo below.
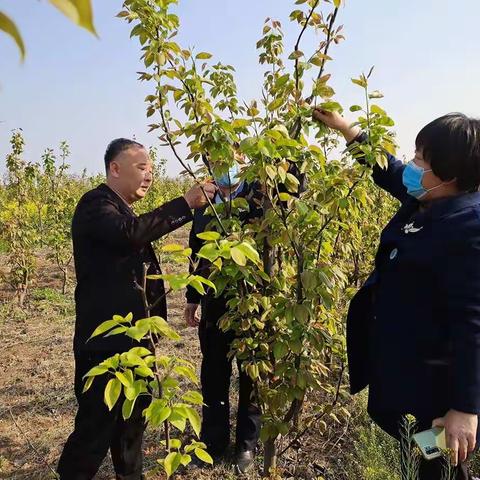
(111, 244)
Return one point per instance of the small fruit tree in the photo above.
(285, 273)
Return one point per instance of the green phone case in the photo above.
(431, 442)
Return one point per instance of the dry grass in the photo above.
(37, 404)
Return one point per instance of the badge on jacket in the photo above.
(409, 228)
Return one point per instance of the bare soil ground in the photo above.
(37, 405)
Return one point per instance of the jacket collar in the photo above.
(116, 198)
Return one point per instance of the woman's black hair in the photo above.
(451, 145)
(117, 146)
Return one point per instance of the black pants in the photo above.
(429, 469)
(215, 377)
(97, 429)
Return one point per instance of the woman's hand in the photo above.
(337, 122)
(460, 433)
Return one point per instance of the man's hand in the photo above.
(191, 317)
(337, 122)
(460, 433)
(196, 197)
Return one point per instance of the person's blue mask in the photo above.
(229, 179)
(412, 179)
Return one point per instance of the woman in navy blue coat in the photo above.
(413, 329)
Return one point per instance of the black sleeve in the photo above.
(390, 179)
(460, 273)
(195, 244)
(102, 220)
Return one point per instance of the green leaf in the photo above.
(112, 392)
(97, 370)
(206, 281)
(360, 81)
(249, 252)
(116, 331)
(280, 349)
(159, 415)
(187, 372)
(79, 11)
(238, 256)
(171, 463)
(194, 419)
(88, 384)
(159, 325)
(140, 351)
(172, 247)
(295, 54)
(144, 372)
(209, 236)
(127, 408)
(197, 285)
(103, 327)
(175, 443)
(126, 378)
(355, 108)
(8, 26)
(203, 455)
(209, 251)
(193, 397)
(203, 56)
(331, 106)
(241, 123)
(378, 110)
(138, 331)
(278, 102)
(301, 313)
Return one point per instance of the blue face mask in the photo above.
(412, 180)
(227, 180)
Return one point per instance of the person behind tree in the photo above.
(215, 344)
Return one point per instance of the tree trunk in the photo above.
(64, 281)
(270, 457)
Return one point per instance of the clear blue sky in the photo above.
(75, 87)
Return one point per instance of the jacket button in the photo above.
(393, 253)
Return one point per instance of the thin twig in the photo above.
(319, 417)
(30, 444)
(297, 75)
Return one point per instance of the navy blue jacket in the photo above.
(413, 329)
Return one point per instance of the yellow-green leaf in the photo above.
(172, 247)
(127, 408)
(88, 384)
(238, 256)
(203, 455)
(171, 463)
(209, 236)
(203, 56)
(194, 419)
(112, 392)
(8, 26)
(79, 11)
(103, 327)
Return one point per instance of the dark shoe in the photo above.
(244, 461)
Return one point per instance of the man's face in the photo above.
(132, 171)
